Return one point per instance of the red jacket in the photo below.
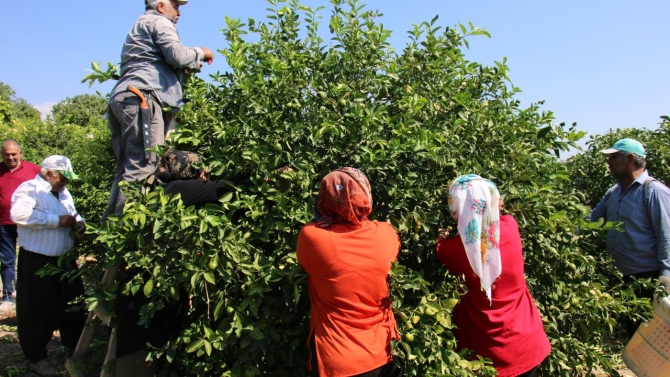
(509, 331)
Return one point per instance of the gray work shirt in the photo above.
(153, 59)
(644, 245)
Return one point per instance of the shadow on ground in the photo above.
(14, 364)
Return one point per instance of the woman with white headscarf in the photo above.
(497, 317)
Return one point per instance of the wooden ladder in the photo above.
(95, 318)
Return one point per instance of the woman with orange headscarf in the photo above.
(347, 259)
(497, 317)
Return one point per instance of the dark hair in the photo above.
(640, 162)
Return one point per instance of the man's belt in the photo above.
(28, 252)
(145, 121)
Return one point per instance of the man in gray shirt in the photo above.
(153, 61)
(642, 204)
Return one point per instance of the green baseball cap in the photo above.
(62, 164)
(626, 145)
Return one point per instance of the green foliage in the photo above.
(13, 108)
(6, 92)
(81, 110)
(412, 121)
(100, 75)
(24, 111)
(5, 111)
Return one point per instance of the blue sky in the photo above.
(602, 64)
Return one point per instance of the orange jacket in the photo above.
(351, 315)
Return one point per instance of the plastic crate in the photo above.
(647, 353)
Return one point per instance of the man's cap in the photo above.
(62, 164)
(180, 2)
(626, 145)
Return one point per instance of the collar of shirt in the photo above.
(25, 165)
(641, 180)
(5, 169)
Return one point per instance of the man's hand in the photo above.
(283, 184)
(189, 72)
(78, 230)
(80, 227)
(209, 56)
(66, 221)
(664, 281)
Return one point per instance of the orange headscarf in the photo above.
(344, 197)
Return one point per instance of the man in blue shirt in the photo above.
(641, 203)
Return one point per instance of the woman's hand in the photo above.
(444, 232)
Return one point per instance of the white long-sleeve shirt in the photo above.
(36, 212)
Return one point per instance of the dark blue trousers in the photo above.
(8, 260)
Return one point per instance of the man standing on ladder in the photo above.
(153, 64)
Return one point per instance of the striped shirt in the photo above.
(36, 211)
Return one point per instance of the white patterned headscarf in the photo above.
(475, 204)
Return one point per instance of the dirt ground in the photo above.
(14, 364)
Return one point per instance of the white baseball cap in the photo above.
(62, 164)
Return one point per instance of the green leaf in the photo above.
(256, 334)
(194, 346)
(148, 287)
(208, 348)
(218, 310)
(209, 276)
(226, 198)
